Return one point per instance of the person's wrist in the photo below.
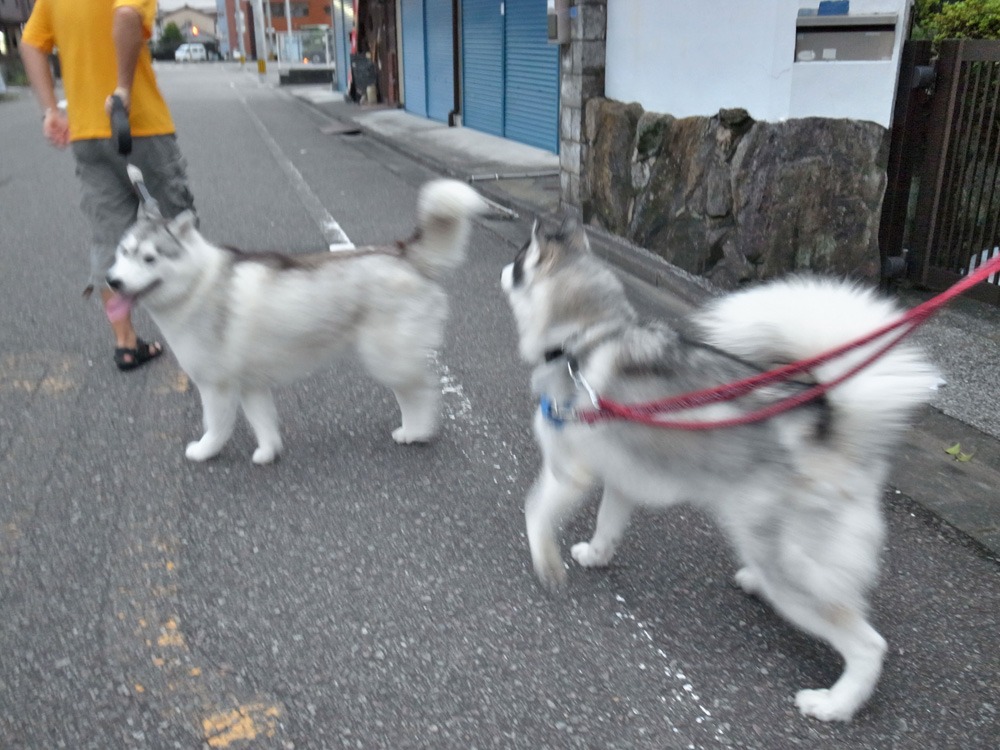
(49, 111)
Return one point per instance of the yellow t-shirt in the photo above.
(81, 30)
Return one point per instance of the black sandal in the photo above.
(128, 359)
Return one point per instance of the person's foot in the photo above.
(129, 358)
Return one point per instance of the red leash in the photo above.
(908, 322)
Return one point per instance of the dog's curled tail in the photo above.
(802, 317)
(444, 219)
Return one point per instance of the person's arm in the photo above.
(55, 126)
(127, 34)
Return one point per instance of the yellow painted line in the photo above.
(247, 722)
(49, 373)
(174, 673)
(176, 381)
(170, 635)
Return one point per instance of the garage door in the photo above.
(510, 73)
(531, 96)
(428, 67)
(482, 66)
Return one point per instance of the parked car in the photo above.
(191, 53)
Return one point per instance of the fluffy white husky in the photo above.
(797, 495)
(241, 323)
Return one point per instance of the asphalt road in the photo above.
(359, 593)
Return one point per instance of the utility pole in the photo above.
(261, 35)
(241, 30)
(272, 45)
(288, 29)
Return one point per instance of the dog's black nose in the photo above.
(114, 283)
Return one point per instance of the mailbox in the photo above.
(826, 38)
(558, 18)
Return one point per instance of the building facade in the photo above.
(195, 24)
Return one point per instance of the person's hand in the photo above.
(124, 94)
(55, 127)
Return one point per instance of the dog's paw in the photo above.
(747, 580)
(199, 450)
(823, 705)
(550, 569)
(404, 436)
(552, 578)
(265, 455)
(590, 556)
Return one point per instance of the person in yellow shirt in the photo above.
(102, 52)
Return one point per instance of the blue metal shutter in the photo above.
(531, 111)
(440, 60)
(414, 67)
(482, 65)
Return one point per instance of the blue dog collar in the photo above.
(551, 411)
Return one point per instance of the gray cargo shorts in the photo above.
(109, 202)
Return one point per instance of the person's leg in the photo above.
(130, 350)
(109, 204)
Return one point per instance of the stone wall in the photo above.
(734, 199)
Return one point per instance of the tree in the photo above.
(172, 35)
(169, 41)
(956, 19)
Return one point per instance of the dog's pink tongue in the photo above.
(118, 307)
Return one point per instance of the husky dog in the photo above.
(797, 495)
(241, 323)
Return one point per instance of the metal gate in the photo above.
(946, 135)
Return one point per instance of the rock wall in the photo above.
(734, 199)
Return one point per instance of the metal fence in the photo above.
(946, 141)
(305, 47)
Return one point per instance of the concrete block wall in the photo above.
(582, 64)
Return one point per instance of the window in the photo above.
(299, 10)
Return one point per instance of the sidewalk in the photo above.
(963, 340)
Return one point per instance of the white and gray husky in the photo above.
(242, 323)
(797, 495)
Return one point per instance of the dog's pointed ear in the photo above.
(576, 236)
(572, 234)
(184, 223)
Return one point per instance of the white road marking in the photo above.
(336, 238)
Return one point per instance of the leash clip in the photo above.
(581, 382)
(558, 415)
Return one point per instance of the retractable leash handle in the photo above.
(121, 130)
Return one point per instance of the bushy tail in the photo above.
(803, 317)
(444, 212)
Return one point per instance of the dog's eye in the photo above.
(149, 259)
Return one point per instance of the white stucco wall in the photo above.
(684, 58)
